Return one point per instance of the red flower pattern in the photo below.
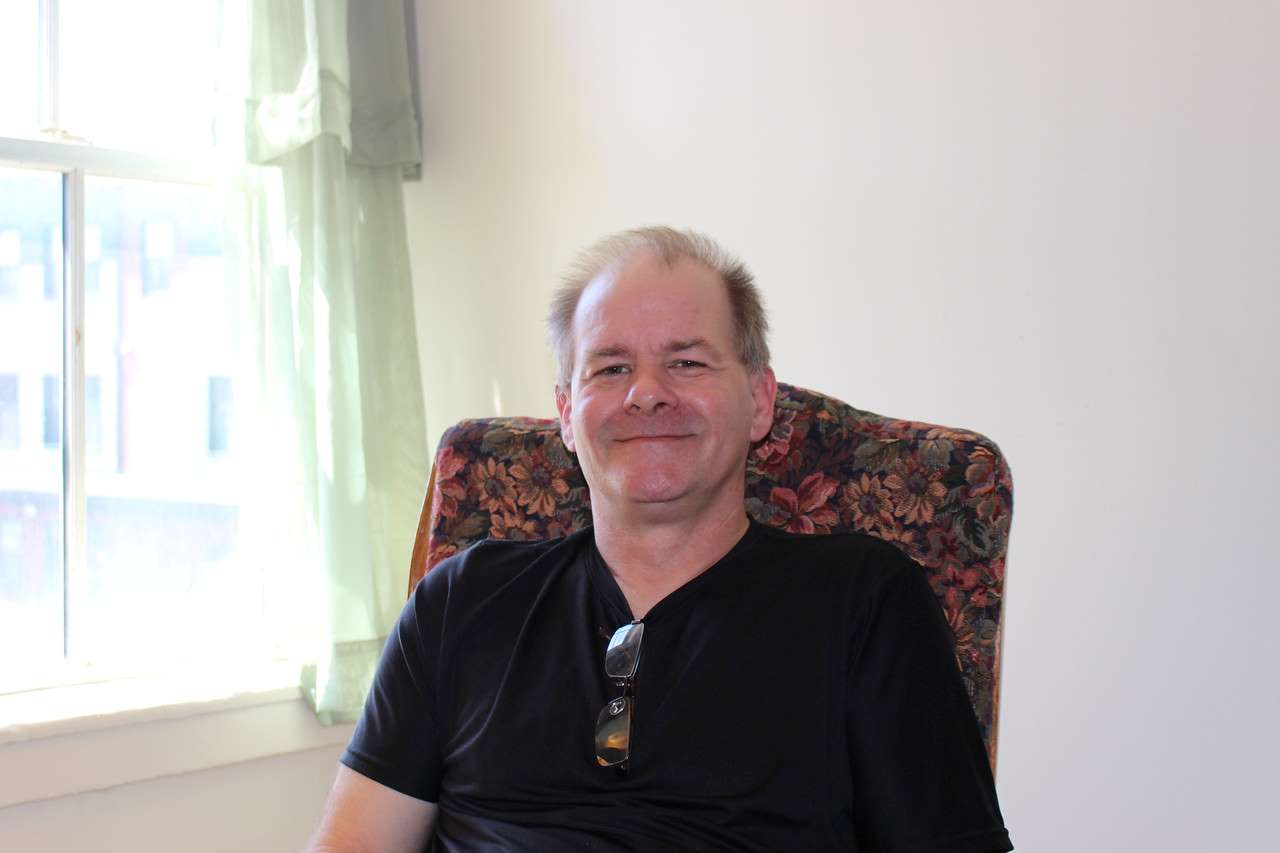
(806, 511)
(780, 450)
(944, 551)
(450, 487)
(982, 475)
(440, 548)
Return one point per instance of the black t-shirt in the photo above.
(800, 694)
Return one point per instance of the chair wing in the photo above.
(944, 496)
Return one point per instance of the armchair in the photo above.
(944, 496)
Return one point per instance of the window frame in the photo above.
(75, 161)
(111, 724)
(122, 726)
(50, 147)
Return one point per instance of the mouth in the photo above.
(659, 438)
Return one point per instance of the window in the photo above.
(9, 423)
(10, 262)
(120, 523)
(157, 242)
(51, 262)
(51, 424)
(31, 578)
(219, 414)
(93, 415)
(92, 257)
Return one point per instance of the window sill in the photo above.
(86, 738)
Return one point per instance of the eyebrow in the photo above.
(616, 351)
(607, 352)
(692, 343)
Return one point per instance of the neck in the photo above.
(650, 558)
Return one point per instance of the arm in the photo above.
(363, 816)
(915, 750)
(383, 800)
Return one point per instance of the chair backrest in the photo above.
(942, 495)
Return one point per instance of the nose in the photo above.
(649, 393)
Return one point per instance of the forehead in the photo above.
(643, 302)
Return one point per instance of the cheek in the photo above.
(594, 406)
(729, 415)
(583, 424)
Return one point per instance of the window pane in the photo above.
(219, 414)
(30, 446)
(9, 431)
(51, 427)
(139, 74)
(19, 67)
(163, 579)
(163, 518)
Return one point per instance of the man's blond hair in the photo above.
(750, 326)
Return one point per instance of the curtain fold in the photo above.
(324, 126)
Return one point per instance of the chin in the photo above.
(656, 495)
(654, 490)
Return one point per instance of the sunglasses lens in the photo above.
(613, 732)
(623, 654)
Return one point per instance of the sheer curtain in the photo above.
(319, 117)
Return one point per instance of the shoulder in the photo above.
(493, 566)
(872, 578)
(871, 559)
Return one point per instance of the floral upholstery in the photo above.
(944, 496)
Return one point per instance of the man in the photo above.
(676, 677)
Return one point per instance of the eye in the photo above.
(687, 363)
(612, 370)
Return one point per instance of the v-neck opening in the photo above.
(606, 585)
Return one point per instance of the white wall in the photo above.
(1054, 222)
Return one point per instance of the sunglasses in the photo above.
(613, 725)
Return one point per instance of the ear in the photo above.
(565, 408)
(764, 388)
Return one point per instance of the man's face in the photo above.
(660, 410)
